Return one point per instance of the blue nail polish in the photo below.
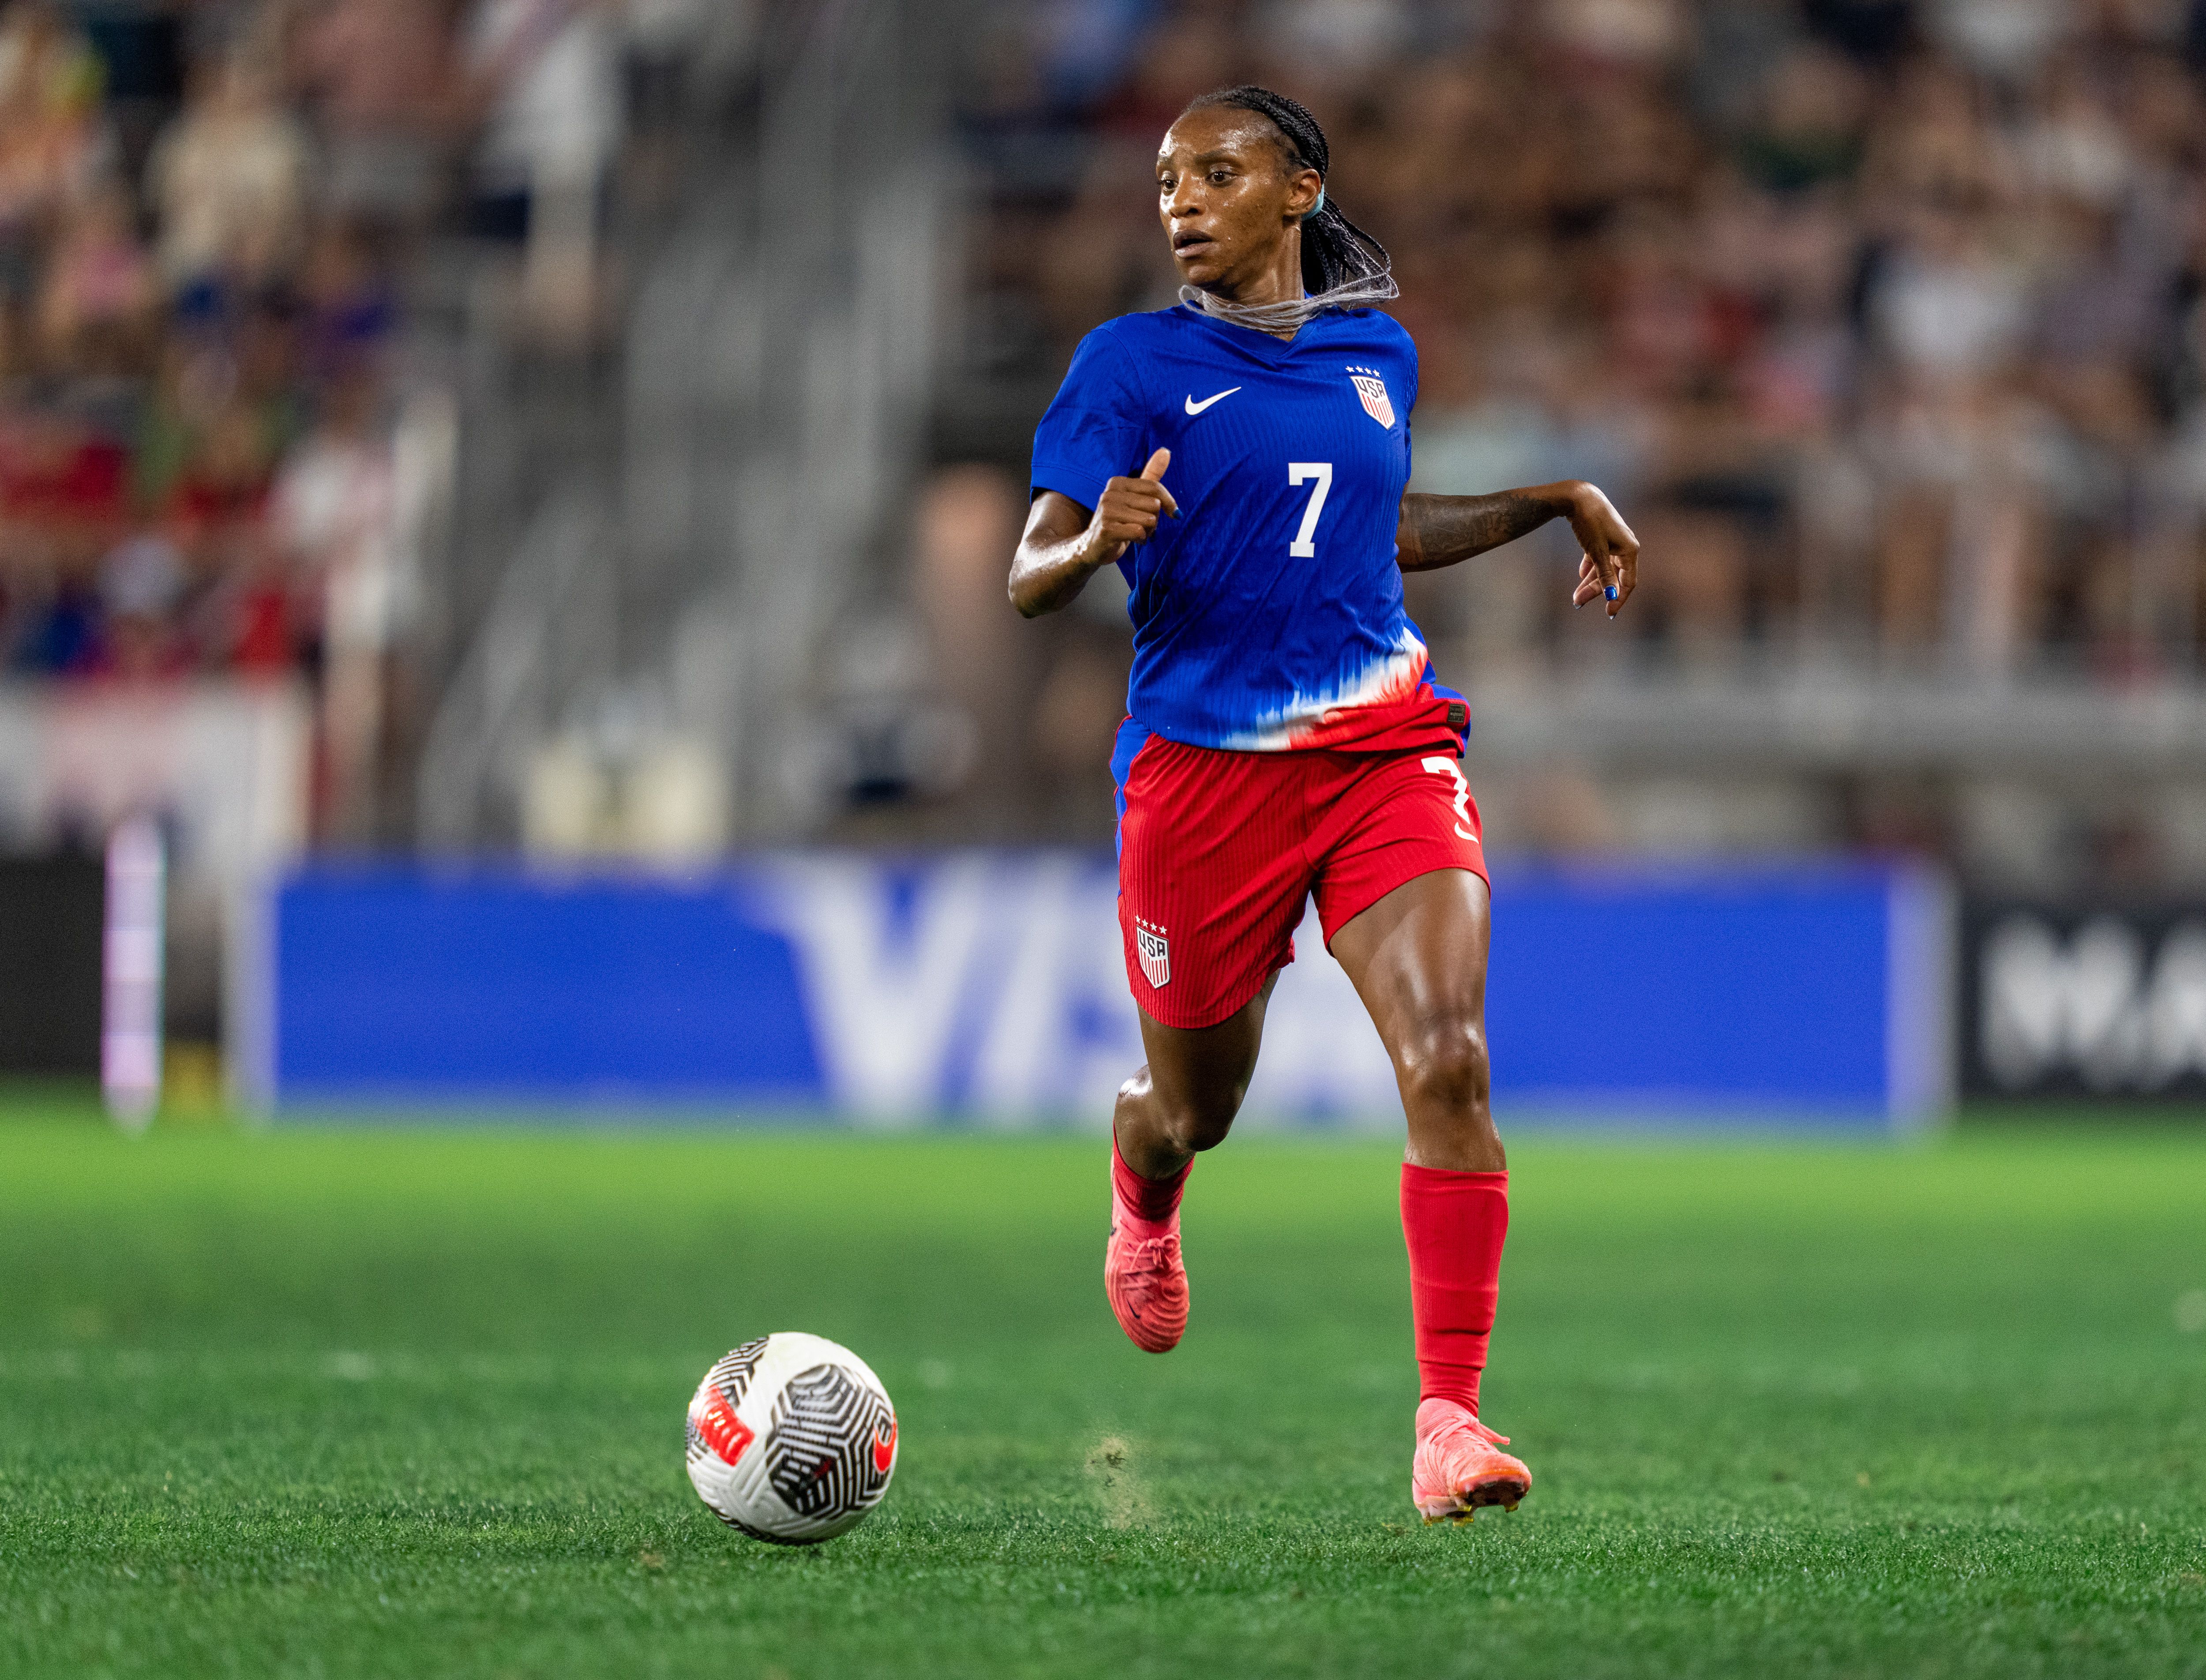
(1612, 592)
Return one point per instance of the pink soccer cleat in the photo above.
(1459, 1465)
(1145, 1277)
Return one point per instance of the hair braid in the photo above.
(1336, 254)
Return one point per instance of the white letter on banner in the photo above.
(2044, 1007)
(1064, 1035)
(883, 1001)
(2176, 1014)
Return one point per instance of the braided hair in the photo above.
(1341, 263)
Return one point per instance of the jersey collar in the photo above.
(1260, 343)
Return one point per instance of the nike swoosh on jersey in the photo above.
(1196, 408)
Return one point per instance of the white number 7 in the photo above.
(1449, 768)
(1301, 472)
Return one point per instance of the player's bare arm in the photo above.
(1437, 530)
(1064, 545)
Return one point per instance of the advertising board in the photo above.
(988, 989)
(2093, 1001)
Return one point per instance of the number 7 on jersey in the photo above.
(1301, 472)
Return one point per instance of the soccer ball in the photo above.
(791, 1439)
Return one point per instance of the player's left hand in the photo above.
(1609, 565)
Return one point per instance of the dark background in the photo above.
(51, 913)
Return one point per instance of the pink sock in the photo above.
(1454, 1224)
(1147, 1201)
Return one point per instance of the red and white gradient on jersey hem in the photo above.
(1343, 713)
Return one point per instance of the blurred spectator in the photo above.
(545, 75)
(61, 635)
(969, 519)
(224, 473)
(378, 73)
(331, 522)
(50, 140)
(350, 308)
(97, 307)
(229, 181)
(141, 583)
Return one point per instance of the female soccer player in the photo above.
(1286, 737)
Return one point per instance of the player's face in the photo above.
(1226, 197)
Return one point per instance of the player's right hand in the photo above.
(1126, 513)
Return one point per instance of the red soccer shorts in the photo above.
(1219, 850)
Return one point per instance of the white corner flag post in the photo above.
(130, 1023)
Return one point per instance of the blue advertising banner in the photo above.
(988, 987)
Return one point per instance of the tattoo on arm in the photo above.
(1440, 530)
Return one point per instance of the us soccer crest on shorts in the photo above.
(1373, 389)
(1155, 953)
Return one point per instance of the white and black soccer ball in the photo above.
(791, 1439)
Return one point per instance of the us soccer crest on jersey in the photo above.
(1371, 386)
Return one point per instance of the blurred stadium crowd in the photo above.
(209, 213)
(1880, 319)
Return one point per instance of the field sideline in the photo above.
(402, 1404)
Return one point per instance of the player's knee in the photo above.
(1190, 1121)
(1444, 1070)
(1195, 1124)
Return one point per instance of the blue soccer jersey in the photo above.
(1267, 616)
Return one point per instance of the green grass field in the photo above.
(391, 1403)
